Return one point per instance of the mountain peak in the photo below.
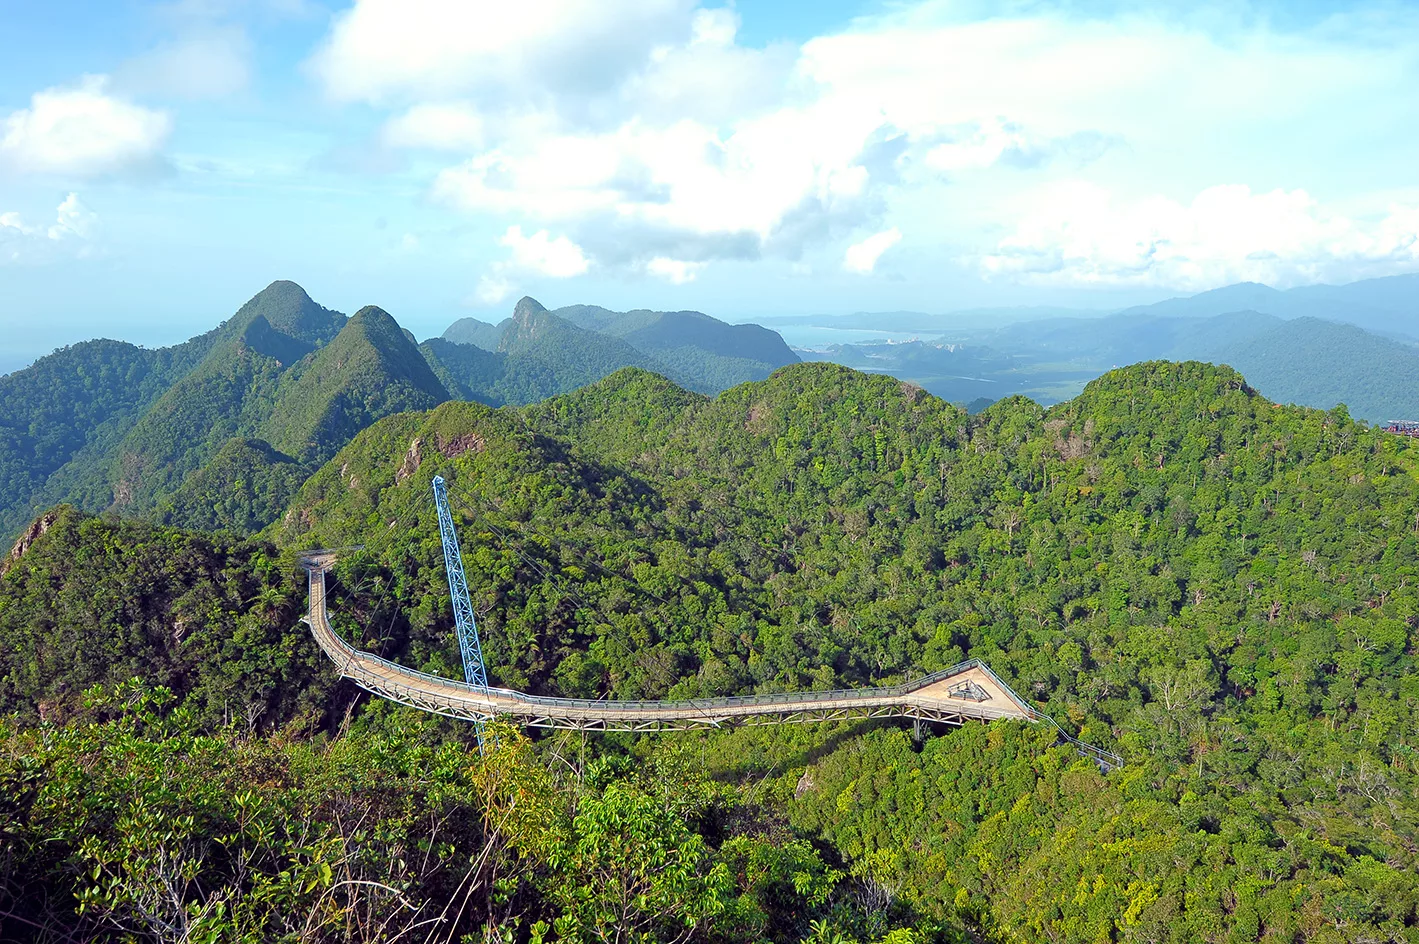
(527, 306)
(373, 313)
(290, 311)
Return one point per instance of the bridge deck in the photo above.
(965, 692)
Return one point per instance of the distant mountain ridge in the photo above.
(537, 355)
(1386, 306)
(1316, 345)
(253, 404)
(217, 432)
(695, 350)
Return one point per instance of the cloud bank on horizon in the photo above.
(650, 138)
(588, 143)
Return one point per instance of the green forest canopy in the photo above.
(1219, 588)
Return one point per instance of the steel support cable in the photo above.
(468, 500)
(552, 579)
(568, 588)
(395, 529)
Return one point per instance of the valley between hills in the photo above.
(1222, 589)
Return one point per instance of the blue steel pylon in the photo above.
(474, 672)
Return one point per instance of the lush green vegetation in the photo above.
(368, 371)
(245, 486)
(154, 434)
(69, 407)
(95, 602)
(1221, 589)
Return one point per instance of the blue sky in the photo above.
(160, 163)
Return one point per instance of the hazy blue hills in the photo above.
(1307, 361)
(1387, 306)
(1321, 363)
(696, 351)
(1315, 346)
(474, 332)
(536, 355)
(700, 352)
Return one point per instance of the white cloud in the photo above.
(683, 186)
(862, 257)
(73, 219)
(400, 50)
(1081, 235)
(82, 132)
(21, 242)
(675, 271)
(652, 134)
(492, 289)
(539, 253)
(211, 64)
(452, 126)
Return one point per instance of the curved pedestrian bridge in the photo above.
(965, 692)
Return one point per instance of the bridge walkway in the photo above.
(965, 692)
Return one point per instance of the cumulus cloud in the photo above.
(540, 254)
(862, 257)
(83, 131)
(537, 255)
(652, 133)
(21, 242)
(1082, 236)
(383, 51)
(450, 126)
(674, 271)
(492, 288)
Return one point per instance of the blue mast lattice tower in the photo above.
(474, 672)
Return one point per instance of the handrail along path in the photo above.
(940, 697)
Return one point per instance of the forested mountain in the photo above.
(244, 487)
(368, 371)
(1322, 363)
(537, 355)
(70, 408)
(285, 383)
(474, 332)
(1223, 590)
(109, 425)
(700, 352)
(696, 351)
(1304, 360)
